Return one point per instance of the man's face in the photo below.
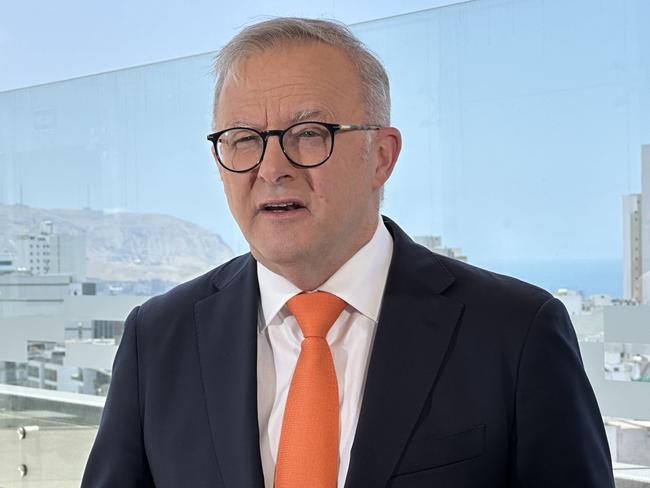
(338, 201)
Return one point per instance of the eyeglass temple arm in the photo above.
(358, 127)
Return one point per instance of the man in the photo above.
(338, 352)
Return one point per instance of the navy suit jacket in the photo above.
(475, 380)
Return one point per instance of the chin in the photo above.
(280, 255)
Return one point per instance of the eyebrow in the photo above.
(240, 123)
(310, 114)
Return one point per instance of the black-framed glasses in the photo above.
(305, 144)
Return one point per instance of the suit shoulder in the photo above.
(500, 306)
(185, 295)
(489, 286)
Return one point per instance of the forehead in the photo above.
(279, 84)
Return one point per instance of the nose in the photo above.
(275, 166)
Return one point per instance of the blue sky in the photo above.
(43, 41)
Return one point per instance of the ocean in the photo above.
(587, 276)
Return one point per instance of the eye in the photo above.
(307, 133)
(245, 139)
(239, 139)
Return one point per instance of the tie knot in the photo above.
(315, 312)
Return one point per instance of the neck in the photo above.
(309, 276)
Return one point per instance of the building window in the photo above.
(108, 329)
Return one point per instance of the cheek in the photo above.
(336, 198)
(341, 190)
(355, 184)
(227, 189)
(234, 195)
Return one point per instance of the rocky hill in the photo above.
(124, 247)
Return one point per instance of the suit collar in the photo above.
(408, 256)
(415, 329)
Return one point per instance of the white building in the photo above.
(45, 368)
(6, 263)
(627, 342)
(632, 250)
(51, 253)
(434, 244)
(600, 300)
(25, 294)
(572, 300)
(68, 349)
(645, 219)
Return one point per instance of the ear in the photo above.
(387, 147)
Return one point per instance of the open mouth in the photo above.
(277, 207)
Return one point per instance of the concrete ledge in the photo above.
(623, 483)
(631, 475)
(79, 409)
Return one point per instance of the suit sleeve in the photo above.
(559, 437)
(118, 456)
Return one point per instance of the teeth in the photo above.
(282, 206)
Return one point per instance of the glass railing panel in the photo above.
(526, 151)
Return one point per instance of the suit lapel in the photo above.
(226, 325)
(414, 330)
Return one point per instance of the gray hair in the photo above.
(273, 33)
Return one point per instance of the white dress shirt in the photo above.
(360, 282)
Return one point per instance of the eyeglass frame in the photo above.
(265, 134)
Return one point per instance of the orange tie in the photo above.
(309, 441)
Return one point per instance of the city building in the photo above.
(434, 244)
(22, 293)
(6, 263)
(636, 237)
(632, 250)
(572, 300)
(45, 368)
(645, 222)
(49, 253)
(70, 348)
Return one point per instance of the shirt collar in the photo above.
(360, 281)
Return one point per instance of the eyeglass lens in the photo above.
(307, 144)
